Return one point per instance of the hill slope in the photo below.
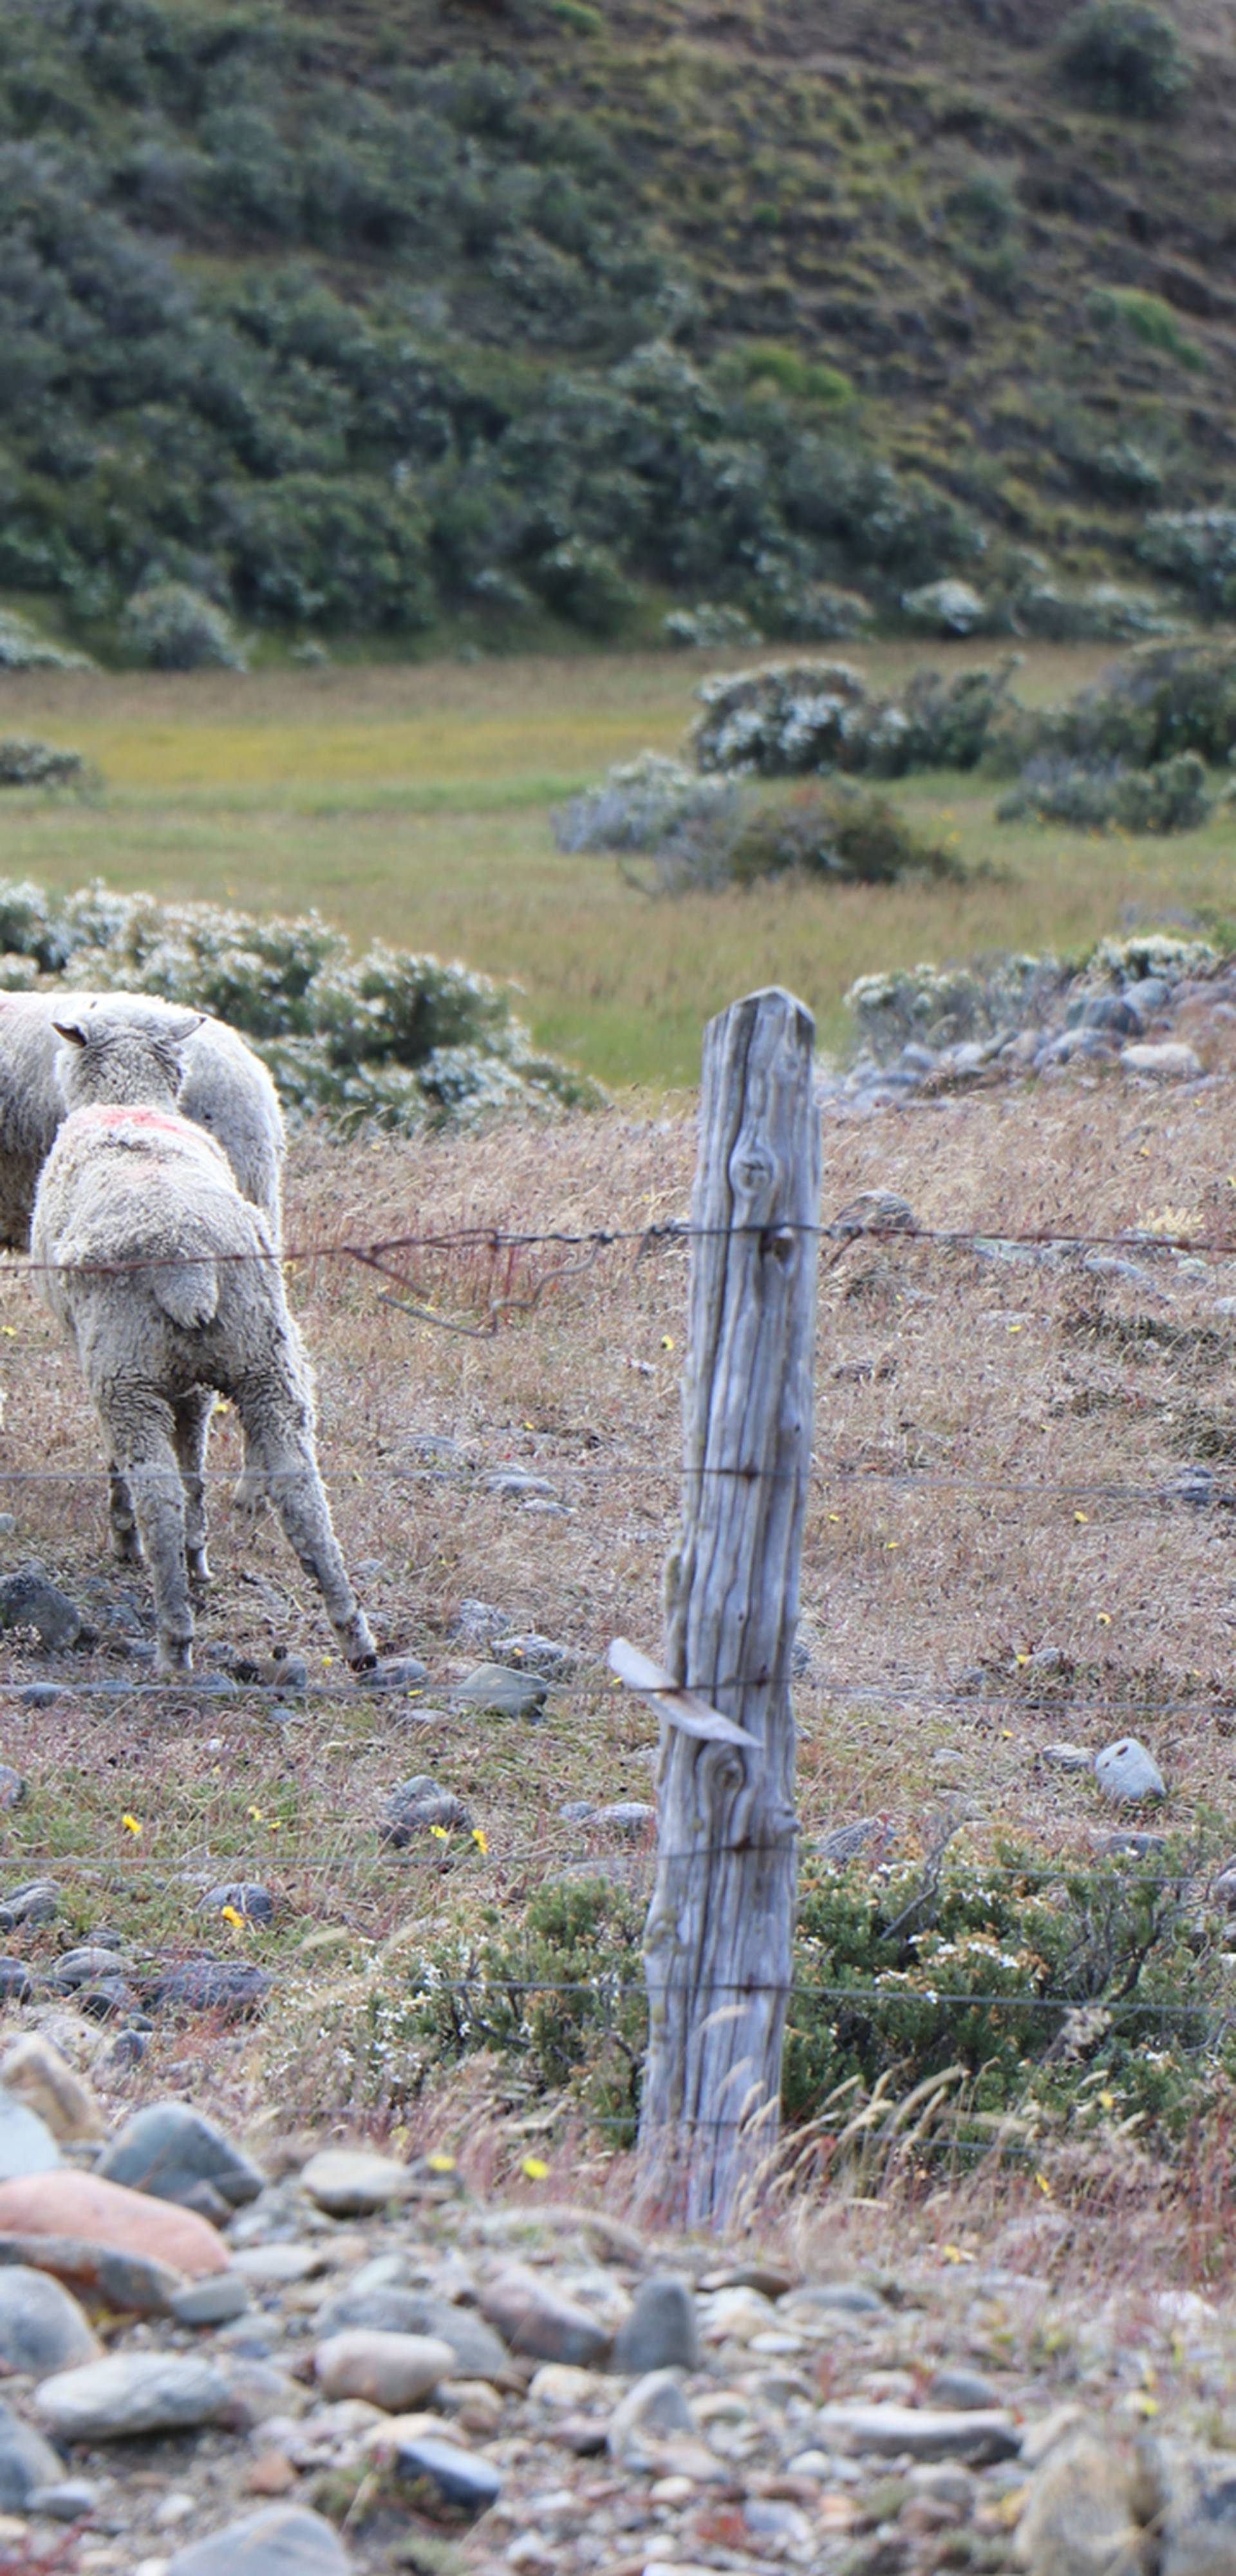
(360, 313)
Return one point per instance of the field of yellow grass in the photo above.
(412, 803)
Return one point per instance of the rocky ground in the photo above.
(353, 2361)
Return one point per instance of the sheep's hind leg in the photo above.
(191, 1431)
(125, 1545)
(294, 1486)
(141, 1439)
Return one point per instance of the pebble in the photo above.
(532, 2317)
(169, 2150)
(16, 1984)
(80, 1967)
(232, 1986)
(351, 2182)
(29, 1599)
(36, 2070)
(66, 2499)
(660, 2331)
(1067, 1757)
(213, 2302)
(26, 2143)
(396, 1673)
(478, 2351)
(1127, 1771)
(652, 2409)
(281, 2540)
(132, 2392)
(416, 1807)
(42, 2328)
(394, 2371)
(530, 1652)
(244, 1896)
(38, 1902)
(500, 1691)
(925, 2432)
(102, 2218)
(462, 2478)
(27, 2462)
(1168, 1058)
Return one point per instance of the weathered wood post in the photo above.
(718, 1941)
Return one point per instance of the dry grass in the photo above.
(412, 803)
(941, 1379)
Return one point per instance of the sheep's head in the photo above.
(104, 1059)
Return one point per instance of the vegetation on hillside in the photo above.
(351, 325)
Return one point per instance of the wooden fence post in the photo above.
(719, 1936)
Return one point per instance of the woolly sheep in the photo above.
(168, 1282)
(226, 1089)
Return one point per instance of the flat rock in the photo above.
(925, 2432)
(1169, 1058)
(501, 1691)
(844, 2298)
(236, 1987)
(1079, 2517)
(132, 2392)
(29, 1599)
(26, 2143)
(661, 2330)
(37, 1902)
(479, 2353)
(107, 2218)
(169, 2150)
(42, 2328)
(352, 2182)
(273, 2267)
(27, 2462)
(35, 2069)
(80, 1967)
(213, 2302)
(281, 2540)
(1126, 1770)
(966, 2390)
(394, 2371)
(532, 2317)
(462, 2478)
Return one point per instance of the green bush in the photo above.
(791, 718)
(846, 833)
(39, 764)
(1126, 57)
(1168, 796)
(170, 627)
(1198, 549)
(1148, 319)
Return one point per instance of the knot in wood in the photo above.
(752, 1168)
(780, 1242)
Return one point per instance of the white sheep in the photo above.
(226, 1089)
(169, 1283)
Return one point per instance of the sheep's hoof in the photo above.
(363, 1663)
(126, 1547)
(174, 1656)
(199, 1572)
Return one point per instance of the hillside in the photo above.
(362, 316)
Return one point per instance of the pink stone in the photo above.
(109, 2217)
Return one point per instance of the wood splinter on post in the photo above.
(718, 1943)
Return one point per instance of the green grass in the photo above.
(412, 803)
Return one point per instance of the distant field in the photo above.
(412, 803)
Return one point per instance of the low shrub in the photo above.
(639, 805)
(1169, 796)
(712, 626)
(387, 1040)
(847, 833)
(1103, 612)
(22, 648)
(1148, 319)
(40, 764)
(1126, 57)
(170, 627)
(946, 608)
(791, 719)
(1198, 549)
(943, 1006)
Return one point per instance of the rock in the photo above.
(627, 1816)
(1067, 1757)
(82, 1966)
(15, 1982)
(106, 1998)
(396, 1673)
(1196, 2512)
(213, 2302)
(532, 1653)
(243, 1896)
(26, 2143)
(661, 2330)
(501, 1691)
(964, 2389)
(274, 2266)
(874, 1212)
(533, 2318)
(352, 2182)
(168, 2150)
(35, 2069)
(27, 2462)
(42, 2327)
(477, 2350)
(650, 2411)
(563, 2384)
(68, 2500)
(846, 1841)
(29, 1599)
(1126, 1770)
(461, 2477)
(132, 2392)
(13, 1789)
(93, 2220)
(947, 607)
(1079, 2516)
(232, 1986)
(393, 2371)
(281, 2540)
(848, 2298)
(925, 2432)
(416, 1806)
(1168, 1058)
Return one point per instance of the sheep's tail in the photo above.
(188, 1291)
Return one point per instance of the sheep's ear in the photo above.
(187, 1028)
(66, 1029)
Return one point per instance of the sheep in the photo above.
(168, 1282)
(226, 1089)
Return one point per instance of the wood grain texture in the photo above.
(718, 1941)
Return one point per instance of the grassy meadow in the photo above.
(411, 803)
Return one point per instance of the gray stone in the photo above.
(15, 1981)
(212, 2302)
(27, 2462)
(26, 2143)
(352, 2182)
(627, 1816)
(69, 2500)
(501, 1691)
(1195, 2510)
(1125, 1770)
(29, 1599)
(132, 2392)
(168, 2150)
(42, 2328)
(966, 2389)
(661, 2330)
(1079, 2518)
(848, 2298)
(925, 2432)
(479, 2352)
(461, 2477)
(533, 2318)
(232, 1986)
(281, 2540)
(244, 1896)
(532, 1653)
(42, 1695)
(81, 1967)
(396, 1673)
(652, 2410)
(37, 1902)
(394, 2371)
(1169, 1059)
(1067, 1757)
(416, 1807)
